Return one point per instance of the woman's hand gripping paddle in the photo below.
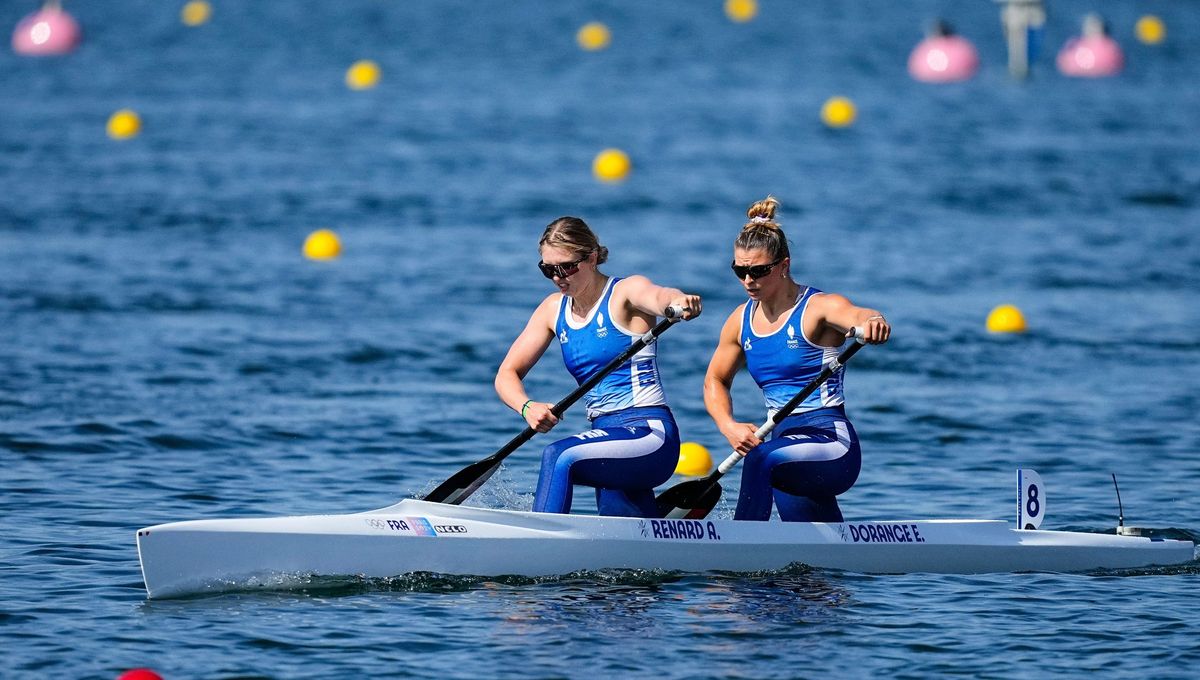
(464, 482)
(696, 498)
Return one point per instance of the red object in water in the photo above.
(47, 31)
(139, 674)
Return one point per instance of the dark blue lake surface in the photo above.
(166, 353)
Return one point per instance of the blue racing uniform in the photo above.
(634, 445)
(814, 453)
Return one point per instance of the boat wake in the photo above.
(1186, 569)
(315, 585)
(500, 493)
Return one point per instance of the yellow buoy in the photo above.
(694, 460)
(838, 112)
(1150, 30)
(196, 12)
(593, 36)
(741, 10)
(362, 75)
(1006, 319)
(124, 124)
(611, 165)
(322, 244)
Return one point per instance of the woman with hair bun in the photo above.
(635, 444)
(785, 334)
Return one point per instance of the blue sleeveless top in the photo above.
(589, 345)
(785, 361)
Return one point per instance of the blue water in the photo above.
(167, 354)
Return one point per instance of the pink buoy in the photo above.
(943, 57)
(47, 31)
(1092, 55)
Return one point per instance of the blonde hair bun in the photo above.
(763, 211)
(762, 232)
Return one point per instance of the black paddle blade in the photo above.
(689, 500)
(464, 482)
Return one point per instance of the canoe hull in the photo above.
(414, 536)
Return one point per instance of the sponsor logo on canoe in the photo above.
(421, 526)
(680, 529)
(881, 533)
(388, 524)
(449, 528)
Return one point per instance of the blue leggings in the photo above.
(627, 454)
(814, 457)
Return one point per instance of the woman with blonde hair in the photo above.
(634, 443)
(785, 334)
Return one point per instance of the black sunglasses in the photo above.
(756, 271)
(563, 270)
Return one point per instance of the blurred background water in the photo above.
(166, 353)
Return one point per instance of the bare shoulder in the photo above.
(631, 292)
(632, 283)
(825, 301)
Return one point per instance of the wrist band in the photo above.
(525, 406)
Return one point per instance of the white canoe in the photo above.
(417, 536)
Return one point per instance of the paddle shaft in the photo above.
(694, 492)
(569, 400)
(762, 432)
(456, 489)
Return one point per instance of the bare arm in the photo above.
(726, 361)
(834, 315)
(525, 351)
(652, 299)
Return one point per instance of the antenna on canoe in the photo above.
(1146, 532)
(1120, 508)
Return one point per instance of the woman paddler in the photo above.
(785, 334)
(634, 445)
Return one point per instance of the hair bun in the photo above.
(764, 210)
(762, 232)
